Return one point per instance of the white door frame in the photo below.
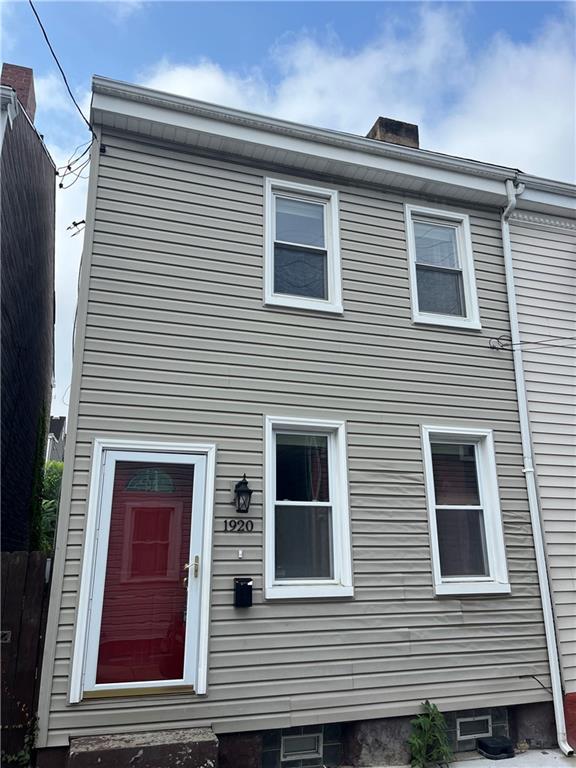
(84, 659)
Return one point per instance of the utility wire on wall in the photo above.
(505, 342)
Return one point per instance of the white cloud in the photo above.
(51, 94)
(59, 121)
(124, 9)
(70, 206)
(512, 104)
(207, 81)
(519, 108)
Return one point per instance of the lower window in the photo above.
(307, 746)
(468, 553)
(141, 590)
(307, 520)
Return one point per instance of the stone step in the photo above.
(184, 748)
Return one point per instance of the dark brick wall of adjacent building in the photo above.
(27, 316)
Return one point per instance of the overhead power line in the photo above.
(35, 12)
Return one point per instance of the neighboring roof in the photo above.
(9, 103)
(8, 98)
(164, 116)
(57, 426)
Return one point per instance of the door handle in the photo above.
(195, 568)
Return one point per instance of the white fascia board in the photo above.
(257, 143)
(117, 104)
(556, 203)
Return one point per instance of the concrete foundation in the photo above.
(51, 757)
(533, 724)
(378, 742)
(240, 749)
(187, 748)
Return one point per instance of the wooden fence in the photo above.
(25, 591)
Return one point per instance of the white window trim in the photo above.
(199, 672)
(341, 584)
(497, 582)
(332, 233)
(466, 257)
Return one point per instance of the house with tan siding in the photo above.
(295, 501)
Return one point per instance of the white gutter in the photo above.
(557, 695)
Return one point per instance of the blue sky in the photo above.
(492, 80)
(120, 40)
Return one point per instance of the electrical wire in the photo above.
(73, 160)
(76, 172)
(35, 12)
(505, 342)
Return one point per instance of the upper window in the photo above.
(465, 523)
(441, 268)
(307, 525)
(302, 247)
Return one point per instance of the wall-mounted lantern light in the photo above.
(243, 494)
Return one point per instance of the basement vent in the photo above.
(473, 727)
(307, 745)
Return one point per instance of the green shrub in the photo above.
(50, 503)
(429, 740)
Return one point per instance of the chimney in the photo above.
(21, 79)
(395, 132)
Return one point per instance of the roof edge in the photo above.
(9, 100)
(141, 94)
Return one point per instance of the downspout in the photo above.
(513, 192)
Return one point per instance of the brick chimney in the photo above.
(395, 132)
(21, 79)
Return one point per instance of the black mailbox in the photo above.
(242, 592)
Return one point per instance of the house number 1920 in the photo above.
(238, 526)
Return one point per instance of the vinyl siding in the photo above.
(178, 346)
(27, 209)
(545, 273)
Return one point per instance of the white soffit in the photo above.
(272, 142)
